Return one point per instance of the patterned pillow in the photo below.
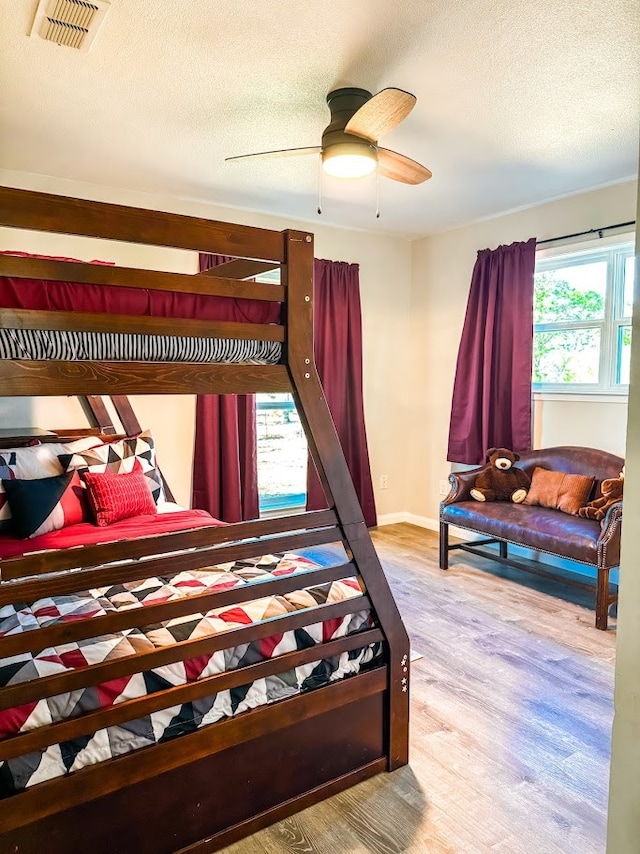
(33, 463)
(37, 461)
(41, 505)
(125, 455)
(118, 496)
(5, 511)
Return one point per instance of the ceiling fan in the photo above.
(350, 147)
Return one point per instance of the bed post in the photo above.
(330, 462)
(97, 413)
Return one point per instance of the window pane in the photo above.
(282, 453)
(629, 269)
(570, 293)
(624, 354)
(566, 356)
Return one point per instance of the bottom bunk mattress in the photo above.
(169, 519)
(61, 759)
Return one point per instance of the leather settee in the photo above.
(542, 529)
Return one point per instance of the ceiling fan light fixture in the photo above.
(349, 160)
(350, 143)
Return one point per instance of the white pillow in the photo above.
(42, 460)
(119, 457)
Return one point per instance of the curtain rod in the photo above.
(597, 231)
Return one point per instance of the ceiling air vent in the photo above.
(72, 23)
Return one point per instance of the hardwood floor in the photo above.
(511, 711)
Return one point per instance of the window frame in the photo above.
(291, 502)
(284, 502)
(614, 253)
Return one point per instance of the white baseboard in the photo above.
(422, 522)
(411, 518)
(391, 519)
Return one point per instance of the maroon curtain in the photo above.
(491, 404)
(225, 465)
(337, 331)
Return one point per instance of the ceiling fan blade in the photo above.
(400, 168)
(283, 152)
(381, 114)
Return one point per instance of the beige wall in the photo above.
(624, 790)
(385, 275)
(441, 272)
(587, 422)
(413, 302)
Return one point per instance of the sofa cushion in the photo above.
(559, 491)
(530, 526)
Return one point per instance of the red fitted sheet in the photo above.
(86, 534)
(43, 295)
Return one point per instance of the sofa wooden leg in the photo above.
(444, 545)
(504, 552)
(602, 598)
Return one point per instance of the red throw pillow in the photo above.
(113, 497)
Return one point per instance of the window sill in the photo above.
(295, 510)
(581, 397)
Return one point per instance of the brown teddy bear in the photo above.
(612, 489)
(500, 480)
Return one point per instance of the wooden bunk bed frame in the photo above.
(204, 790)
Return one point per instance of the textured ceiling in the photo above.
(518, 102)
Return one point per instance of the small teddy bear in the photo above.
(612, 489)
(500, 480)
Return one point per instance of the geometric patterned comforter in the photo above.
(61, 759)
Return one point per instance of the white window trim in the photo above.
(578, 247)
(613, 249)
(580, 397)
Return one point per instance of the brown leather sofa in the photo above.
(586, 541)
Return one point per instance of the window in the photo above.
(282, 453)
(282, 445)
(582, 321)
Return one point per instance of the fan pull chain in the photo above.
(377, 191)
(320, 184)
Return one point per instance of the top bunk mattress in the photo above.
(45, 295)
(70, 346)
(67, 345)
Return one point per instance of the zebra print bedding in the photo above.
(62, 345)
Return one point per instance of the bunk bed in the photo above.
(188, 787)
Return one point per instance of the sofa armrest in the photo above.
(609, 539)
(612, 517)
(462, 483)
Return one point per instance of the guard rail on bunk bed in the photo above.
(218, 783)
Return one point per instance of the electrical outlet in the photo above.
(384, 481)
(444, 487)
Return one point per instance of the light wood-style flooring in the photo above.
(511, 712)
